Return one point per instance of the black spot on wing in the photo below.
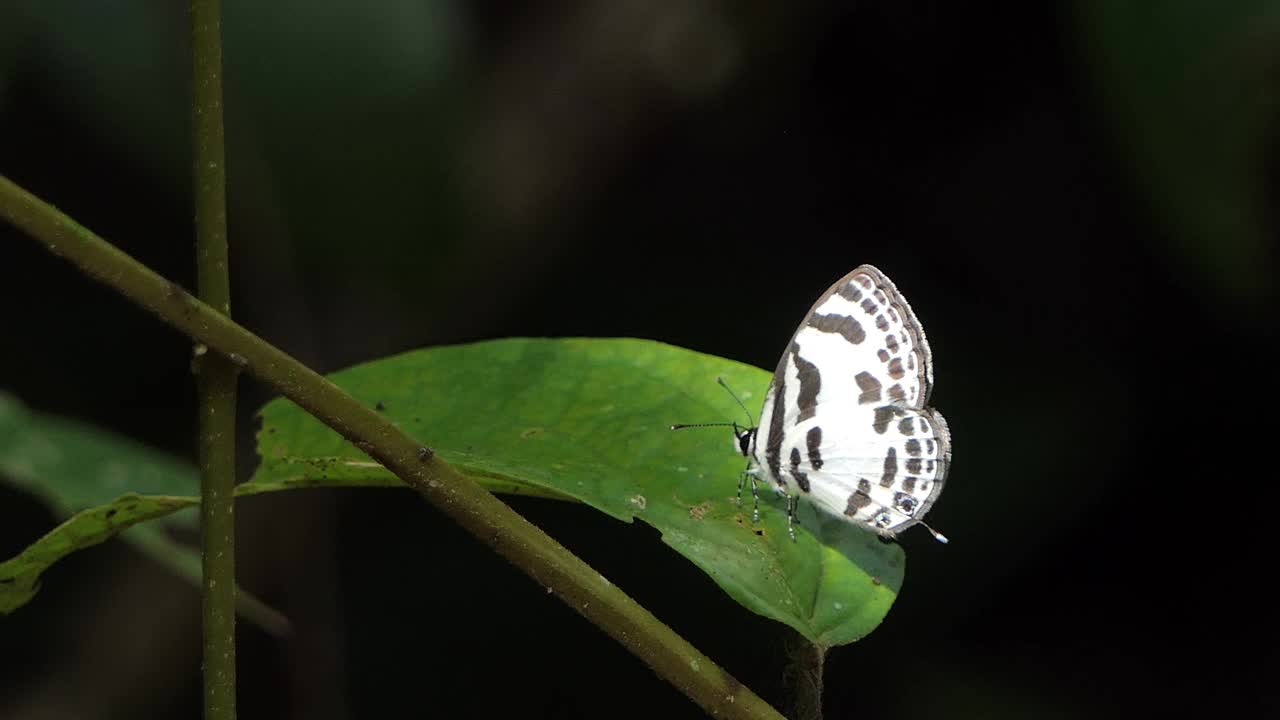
(802, 480)
(905, 503)
(890, 468)
(842, 325)
(849, 292)
(858, 499)
(896, 393)
(810, 384)
(814, 441)
(895, 369)
(883, 416)
(869, 386)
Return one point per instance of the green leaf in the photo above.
(20, 575)
(104, 485)
(590, 419)
(70, 467)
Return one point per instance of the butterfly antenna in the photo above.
(750, 420)
(681, 426)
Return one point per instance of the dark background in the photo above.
(1078, 200)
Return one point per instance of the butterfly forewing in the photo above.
(844, 420)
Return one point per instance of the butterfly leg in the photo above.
(755, 501)
(792, 500)
(755, 495)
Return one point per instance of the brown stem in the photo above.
(805, 662)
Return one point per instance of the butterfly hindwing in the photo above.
(885, 470)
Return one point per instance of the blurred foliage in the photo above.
(1192, 93)
(104, 485)
(71, 467)
(343, 109)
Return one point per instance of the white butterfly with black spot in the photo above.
(844, 422)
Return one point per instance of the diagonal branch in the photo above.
(483, 515)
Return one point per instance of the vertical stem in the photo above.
(804, 674)
(215, 375)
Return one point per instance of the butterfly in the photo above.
(845, 423)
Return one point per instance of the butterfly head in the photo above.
(743, 439)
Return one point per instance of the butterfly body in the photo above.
(844, 422)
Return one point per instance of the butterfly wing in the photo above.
(844, 420)
(884, 481)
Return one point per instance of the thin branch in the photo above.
(483, 515)
(805, 662)
(215, 375)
